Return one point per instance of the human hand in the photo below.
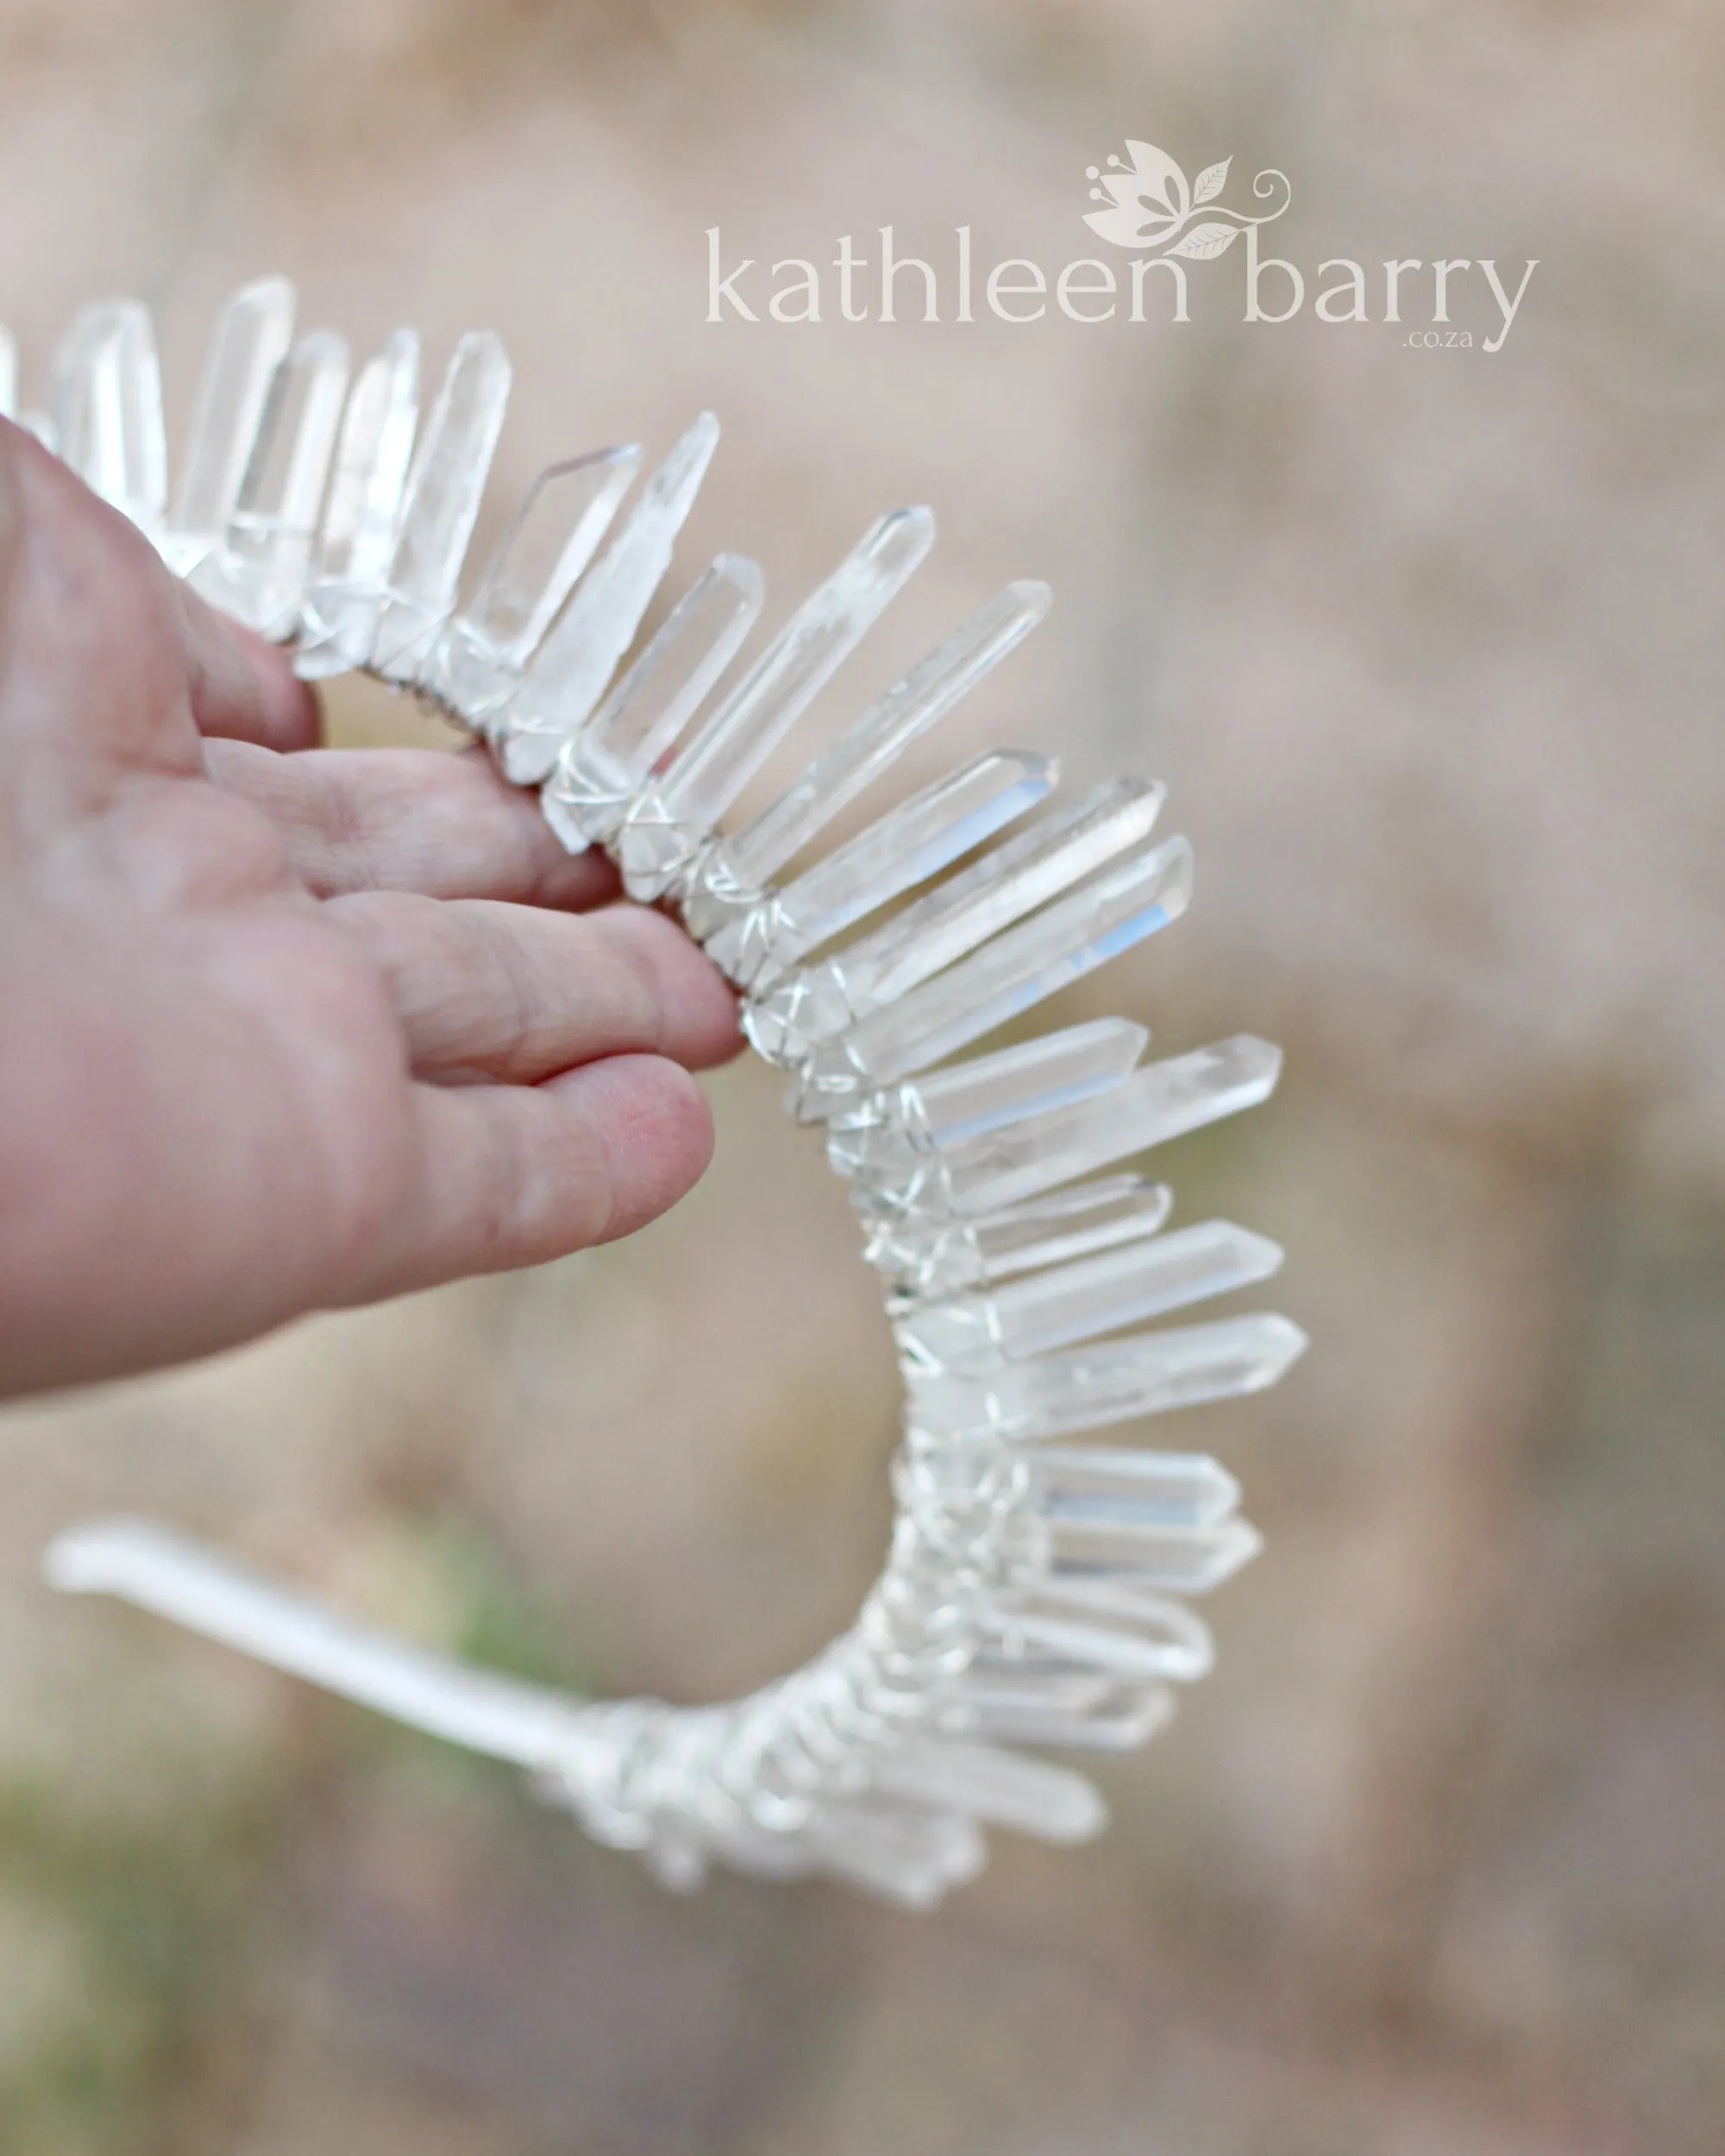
(283, 1028)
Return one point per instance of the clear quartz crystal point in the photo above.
(948, 1106)
(1028, 1702)
(1110, 1625)
(975, 1335)
(1165, 1560)
(992, 1784)
(477, 663)
(1112, 1381)
(899, 851)
(939, 1254)
(441, 505)
(1033, 959)
(604, 765)
(251, 340)
(818, 1002)
(891, 1147)
(258, 575)
(1162, 1101)
(1130, 1487)
(905, 1853)
(8, 374)
(734, 873)
(671, 823)
(345, 599)
(569, 673)
(107, 410)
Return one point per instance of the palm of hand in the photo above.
(286, 1028)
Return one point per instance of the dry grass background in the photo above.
(1427, 645)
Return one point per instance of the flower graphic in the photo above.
(1150, 205)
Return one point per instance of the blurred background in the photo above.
(1426, 645)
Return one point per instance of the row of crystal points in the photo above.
(1033, 1594)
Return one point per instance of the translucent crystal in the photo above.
(1163, 1101)
(1126, 1484)
(975, 1335)
(8, 374)
(251, 340)
(604, 764)
(1112, 1381)
(1104, 1626)
(1092, 1217)
(478, 662)
(570, 671)
(672, 823)
(258, 573)
(107, 410)
(1166, 1520)
(903, 1852)
(1172, 1560)
(1054, 1706)
(734, 872)
(344, 600)
(899, 851)
(441, 505)
(1035, 958)
(992, 1784)
(820, 1001)
(939, 1255)
(895, 1144)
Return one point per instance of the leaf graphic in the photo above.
(1210, 181)
(1156, 175)
(1204, 242)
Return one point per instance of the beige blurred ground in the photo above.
(1427, 646)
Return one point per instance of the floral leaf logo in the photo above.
(1211, 181)
(1149, 205)
(1204, 240)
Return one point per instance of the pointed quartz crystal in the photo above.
(345, 596)
(258, 575)
(1055, 1707)
(734, 873)
(570, 671)
(1110, 1380)
(1107, 1626)
(1162, 1101)
(899, 851)
(604, 766)
(818, 1002)
(1129, 1485)
(972, 1336)
(896, 1142)
(1165, 1560)
(444, 489)
(107, 410)
(1164, 1520)
(948, 1107)
(1035, 958)
(926, 1256)
(478, 662)
(670, 825)
(251, 340)
(904, 1852)
(992, 1784)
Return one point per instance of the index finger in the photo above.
(441, 824)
